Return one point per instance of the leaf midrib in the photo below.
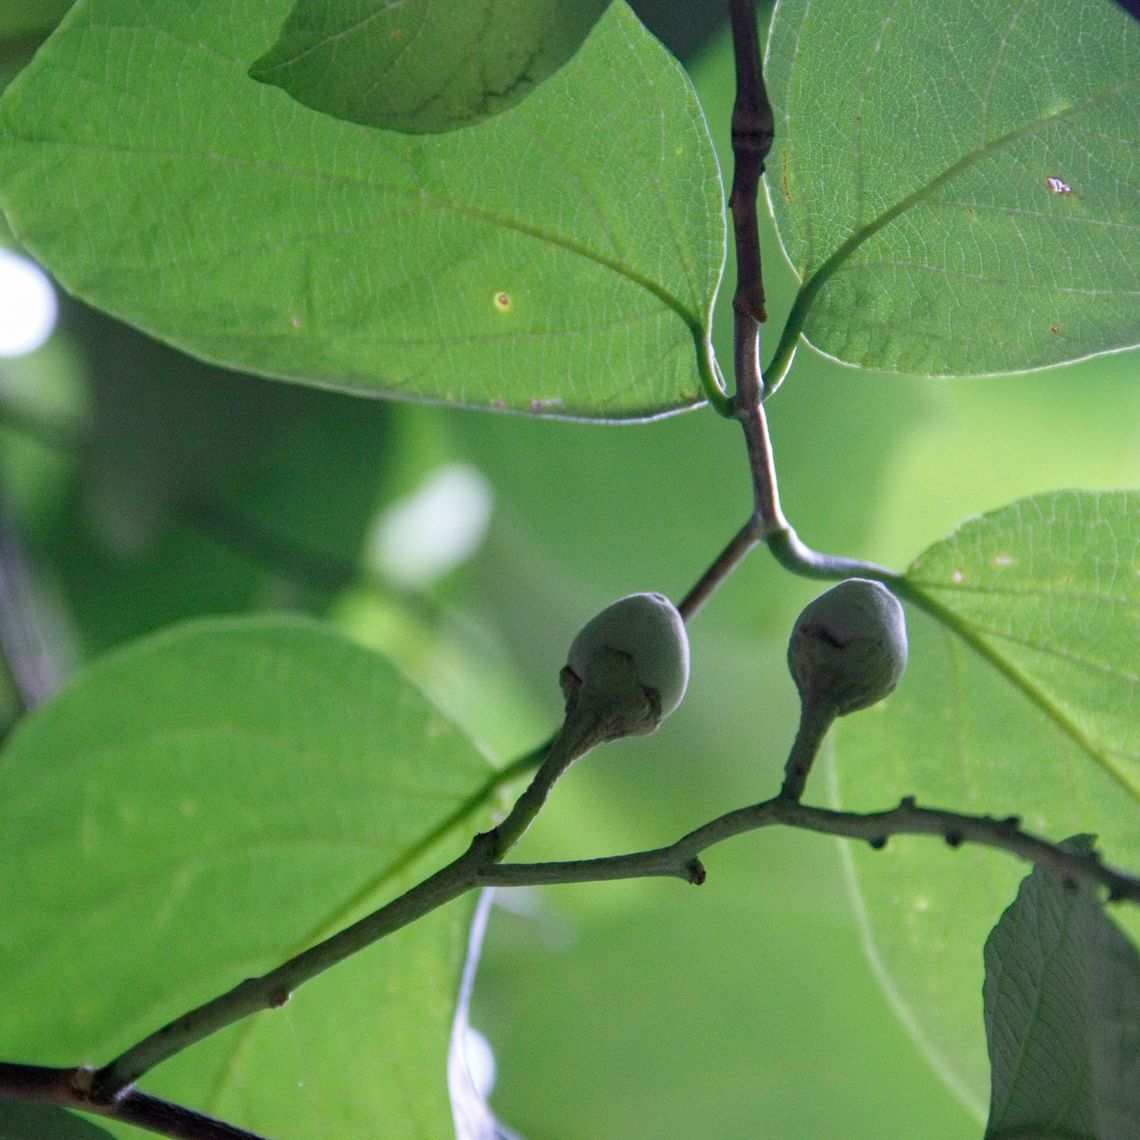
(1020, 681)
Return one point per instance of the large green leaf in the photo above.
(1062, 1002)
(1022, 700)
(422, 65)
(955, 183)
(559, 258)
(195, 808)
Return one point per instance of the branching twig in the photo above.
(752, 134)
(272, 990)
(767, 524)
(680, 859)
(479, 866)
(109, 1090)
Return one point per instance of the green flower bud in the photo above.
(848, 647)
(630, 663)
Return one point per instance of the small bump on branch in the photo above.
(874, 828)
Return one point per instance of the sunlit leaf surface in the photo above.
(558, 259)
(193, 810)
(955, 183)
(1026, 702)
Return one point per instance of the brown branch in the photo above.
(586, 725)
(680, 859)
(752, 133)
(68, 1088)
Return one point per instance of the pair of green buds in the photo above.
(630, 663)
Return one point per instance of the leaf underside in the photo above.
(422, 65)
(955, 184)
(1021, 699)
(199, 806)
(1062, 1013)
(558, 259)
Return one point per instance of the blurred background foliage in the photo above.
(139, 487)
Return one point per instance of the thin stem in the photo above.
(801, 559)
(579, 734)
(67, 1088)
(766, 510)
(780, 364)
(815, 720)
(768, 517)
(767, 524)
(680, 859)
(272, 990)
(733, 554)
(753, 129)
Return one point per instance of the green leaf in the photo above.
(1021, 699)
(954, 183)
(1062, 1006)
(20, 1121)
(199, 806)
(422, 65)
(559, 258)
